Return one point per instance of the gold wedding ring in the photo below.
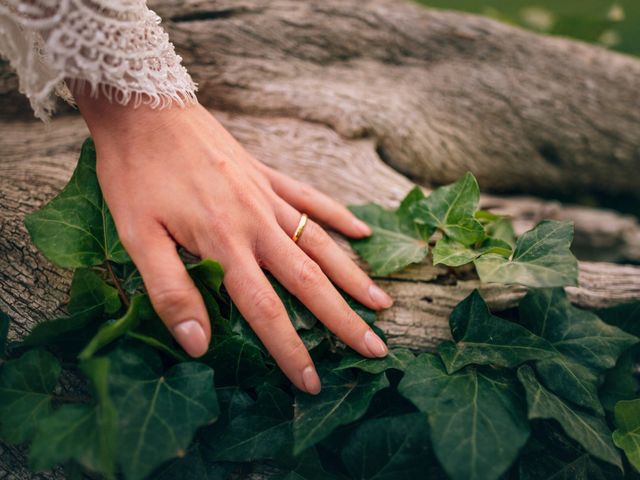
(301, 224)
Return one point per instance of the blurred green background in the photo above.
(612, 24)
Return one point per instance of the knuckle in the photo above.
(309, 274)
(316, 236)
(268, 306)
(294, 349)
(171, 299)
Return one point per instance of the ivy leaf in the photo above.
(586, 345)
(307, 466)
(260, 432)
(139, 309)
(88, 290)
(552, 468)
(589, 431)
(158, 412)
(621, 382)
(208, 273)
(344, 398)
(454, 254)
(476, 415)
(389, 448)
(75, 229)
(26, 387)
(193, 466)
(83, 433)
(70, 333)
(542, 258)
(396, 241)
(627, 435)
(451, 209)
(484, 339)
(397, 358)
(625, 316)
(5, 321)
(497, 227)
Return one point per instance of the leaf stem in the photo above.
(116, 282)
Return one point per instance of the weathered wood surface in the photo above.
(355, 98)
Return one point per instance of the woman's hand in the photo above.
(177, 177)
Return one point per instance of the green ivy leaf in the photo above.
(397, 358)
(307, 466)
(344, 398)
(497, 227)
(627, 435)
(262, 431)
(389, 448)
(530, 467)
(26, 388)
(454, 254)
(621, 382)
(542, 258)
(159, 413)
(193, 466)
(396, 241)
(625, 316)
(75, 229)
(70, 333)
(451, 210)
(82, 433)
(139, 309)
(88, 290)
(476, 415)
(5, 321)
(589, 431)
(484, 339)
(586, 345)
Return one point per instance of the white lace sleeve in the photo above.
(117, 47)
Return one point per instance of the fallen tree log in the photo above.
(395, 90)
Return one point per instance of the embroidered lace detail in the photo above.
(116, 47)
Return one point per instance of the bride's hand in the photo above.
(176, 176)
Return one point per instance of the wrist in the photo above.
(115, 127)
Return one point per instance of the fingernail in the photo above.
(379, 296)
(362, 227)
(310, 380)
(191, 336)
(375, 344)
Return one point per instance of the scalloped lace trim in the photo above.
(114, 47)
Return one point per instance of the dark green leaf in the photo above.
(70, 333)
(193, 466)
(209, 272)
(454, 254)
(26, 387)
(542, 258)
(451, 209)
(75, 229)
(627, 435)
(477, 417)
(306, 466)
(589, 431)
(139, 309)
(83, 433)
(5, 321)
(551, 468)
(396, 240)
(389, 448)
(397, 358)
(622, 382)
(484, 339)
(88, 290)
(625, 316)
(586, 345)
(262, 431)
(159, 413)
(344, 398)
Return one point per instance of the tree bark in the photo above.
(355, 98)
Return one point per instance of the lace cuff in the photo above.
(116, 47)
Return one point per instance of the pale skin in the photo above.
(176, 177)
